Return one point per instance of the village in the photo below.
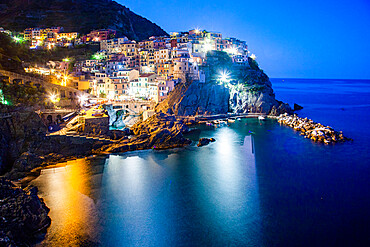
(127, 70)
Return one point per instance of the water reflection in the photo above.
(73, 212)
(156, 198)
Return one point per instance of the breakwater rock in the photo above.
(312, 130)
(23, 214)
(160, 131)
(205, 141)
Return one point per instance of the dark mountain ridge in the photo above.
(76, 15)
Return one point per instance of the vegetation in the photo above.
(12, 54)
(76, 16)
(21, 94)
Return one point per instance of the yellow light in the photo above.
(53, 98)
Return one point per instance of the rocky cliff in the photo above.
(25, 146)
(23, 215)
(19, 131)
(254, 93)
(247, 89)
(76, 15)
(192, 98)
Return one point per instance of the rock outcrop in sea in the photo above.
(160, 131)
(23, 215)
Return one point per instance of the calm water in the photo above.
(259, 184)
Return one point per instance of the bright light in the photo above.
(97, 56)
(253, 56)
(17, 39)
(53, 98)
(66, 59)
(82, 99)
(65, 78)
(208, 47)
(197, 31)
(224, 76)
(111, 95)
(233, 50)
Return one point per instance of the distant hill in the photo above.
(76, 15)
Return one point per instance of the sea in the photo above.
(259, 184)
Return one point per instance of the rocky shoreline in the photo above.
(161, 131)
(312, 130)
(24, 216)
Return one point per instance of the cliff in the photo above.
(25, 146)
(248, 89)
(254, 93)
(76, 15)
(23, 215)
(18, 133)
(194, 98)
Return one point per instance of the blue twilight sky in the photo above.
(291, 38)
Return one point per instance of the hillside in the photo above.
(248, 90)
(76, 15)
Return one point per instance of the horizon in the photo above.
(280, 34)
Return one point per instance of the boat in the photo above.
(231, 120)
(261, 118)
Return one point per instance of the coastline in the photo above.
(130, 144)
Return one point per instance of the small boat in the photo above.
(261, 118)
(231, 120)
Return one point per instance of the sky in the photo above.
(291, 38)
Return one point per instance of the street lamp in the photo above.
(82, 99)
(53, 98)
(224, 76)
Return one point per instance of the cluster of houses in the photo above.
(48, 38)
(124, 69)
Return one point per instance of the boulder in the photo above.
(205, 141)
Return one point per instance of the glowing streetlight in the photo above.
(233, 50)
(224, 76)
(82, 99)
(65, 78)
(17, 39)
(97, 56)
(53, 98)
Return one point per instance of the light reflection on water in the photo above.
(271, 188)
(147, 198)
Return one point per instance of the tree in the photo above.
(22, 94)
